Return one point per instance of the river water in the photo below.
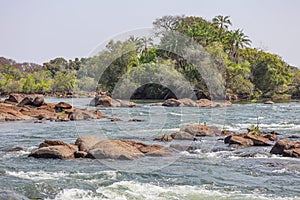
(212, 171)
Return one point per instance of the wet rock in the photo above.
(104, 101)
(124, 103)
(286, 148)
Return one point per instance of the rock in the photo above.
(124, 103)
(15, 98)
(17, 149)
(238, 140)
(80, 114)
(104, 101)
(38, 101)
(181, 148)
(54, 149)
(114, 119)
(182, 135)
(10, 195)
(29, 109)
(26, 101)
(248, 139)
(114, 149)
(171, 103)
(201, 130)
(156, 104)
(80, 154)
(204, 103)
(268, 102)
(86, 142)
(136, 120)
(164, 138)
(286, 148)
(258, 140)
(187, 102)
(61, 106)
(149, 150)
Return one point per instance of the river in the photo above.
(213, 171)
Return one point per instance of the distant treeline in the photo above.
(248, 73)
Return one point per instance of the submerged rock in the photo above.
(286, 148)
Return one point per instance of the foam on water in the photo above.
(125, 190)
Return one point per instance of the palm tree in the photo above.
(222, 22)
(237, 40)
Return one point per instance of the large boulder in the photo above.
(54, 149)
(286, 148)
(114, 149)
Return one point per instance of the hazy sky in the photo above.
(39, 30)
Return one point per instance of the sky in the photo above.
(40, 30)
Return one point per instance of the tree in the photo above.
(222, 22)
(237, 40)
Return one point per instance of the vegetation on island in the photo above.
(248, 73)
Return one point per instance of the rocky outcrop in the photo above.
(286, 148)
(191, 103)
(248, 139)
(29, 108)
(190, 132)
(106, 101)
(97, 148)
(54, 149)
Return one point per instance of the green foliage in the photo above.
(247, 72)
